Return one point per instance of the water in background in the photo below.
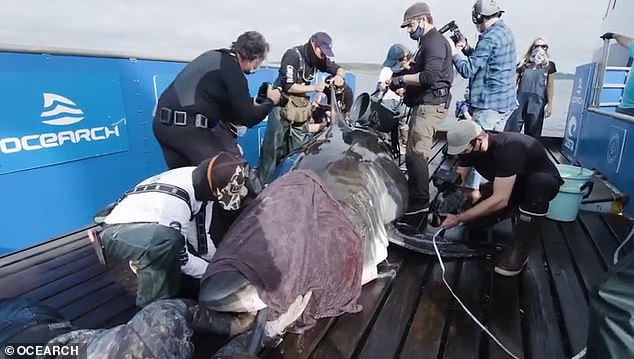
(553, 125)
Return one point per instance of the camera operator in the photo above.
(208, 105)
(427, 83)
(491, 72)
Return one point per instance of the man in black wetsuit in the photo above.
(202, 110)
(520, 177)
(287, 128)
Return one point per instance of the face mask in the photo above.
(538, 56)
(230, 196)
(416, 34)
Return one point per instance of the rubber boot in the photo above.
(511, 262)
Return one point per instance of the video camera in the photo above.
(456, 36)
(446, 181)
(261, 97)
(449, 199)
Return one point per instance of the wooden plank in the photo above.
(16, 284)
(463, 337)
(601, 236)
(426, 330)
(385, 336)
(585, 256)
(504, 317)
(569, 290)
(62, 285)
(82, 289)
(92, 301)
(620, 227)
(301, 346)
(79, 291)
(40, 253)
(542, 333)
(344, 336)
(53, 255)
(101, 315)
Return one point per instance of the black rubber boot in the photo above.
(511, 262)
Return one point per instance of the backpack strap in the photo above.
(201, 233)
(302, 66)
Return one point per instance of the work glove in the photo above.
(397, 83)
(608, 35)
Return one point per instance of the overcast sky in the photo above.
(362, 30)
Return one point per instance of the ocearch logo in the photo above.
(59, 111)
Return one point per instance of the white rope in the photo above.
(442, 267)
(616, 252)
(581, 354)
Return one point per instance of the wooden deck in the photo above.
(540, 314)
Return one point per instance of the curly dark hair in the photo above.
(251, 45)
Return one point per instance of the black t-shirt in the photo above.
(552, 68)
(294, 70)
(214, 85)
(509, 154)
(433, 62)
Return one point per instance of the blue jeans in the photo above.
(490, 120)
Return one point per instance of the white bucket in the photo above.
(577, 186)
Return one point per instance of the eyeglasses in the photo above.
(544, 46)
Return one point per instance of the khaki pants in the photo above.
(425, 121)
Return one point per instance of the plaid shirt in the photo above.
(491, 70)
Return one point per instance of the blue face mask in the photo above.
(416, 34)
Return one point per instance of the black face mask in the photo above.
(416, 34)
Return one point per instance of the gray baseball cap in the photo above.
(416, 10)
(460, 136)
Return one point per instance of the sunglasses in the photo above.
(545, 47)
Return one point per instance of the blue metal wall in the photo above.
(75, 132)
(601, 140)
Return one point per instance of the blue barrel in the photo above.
(577, 186)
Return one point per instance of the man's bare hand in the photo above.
(337, 80)
(320, 87)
